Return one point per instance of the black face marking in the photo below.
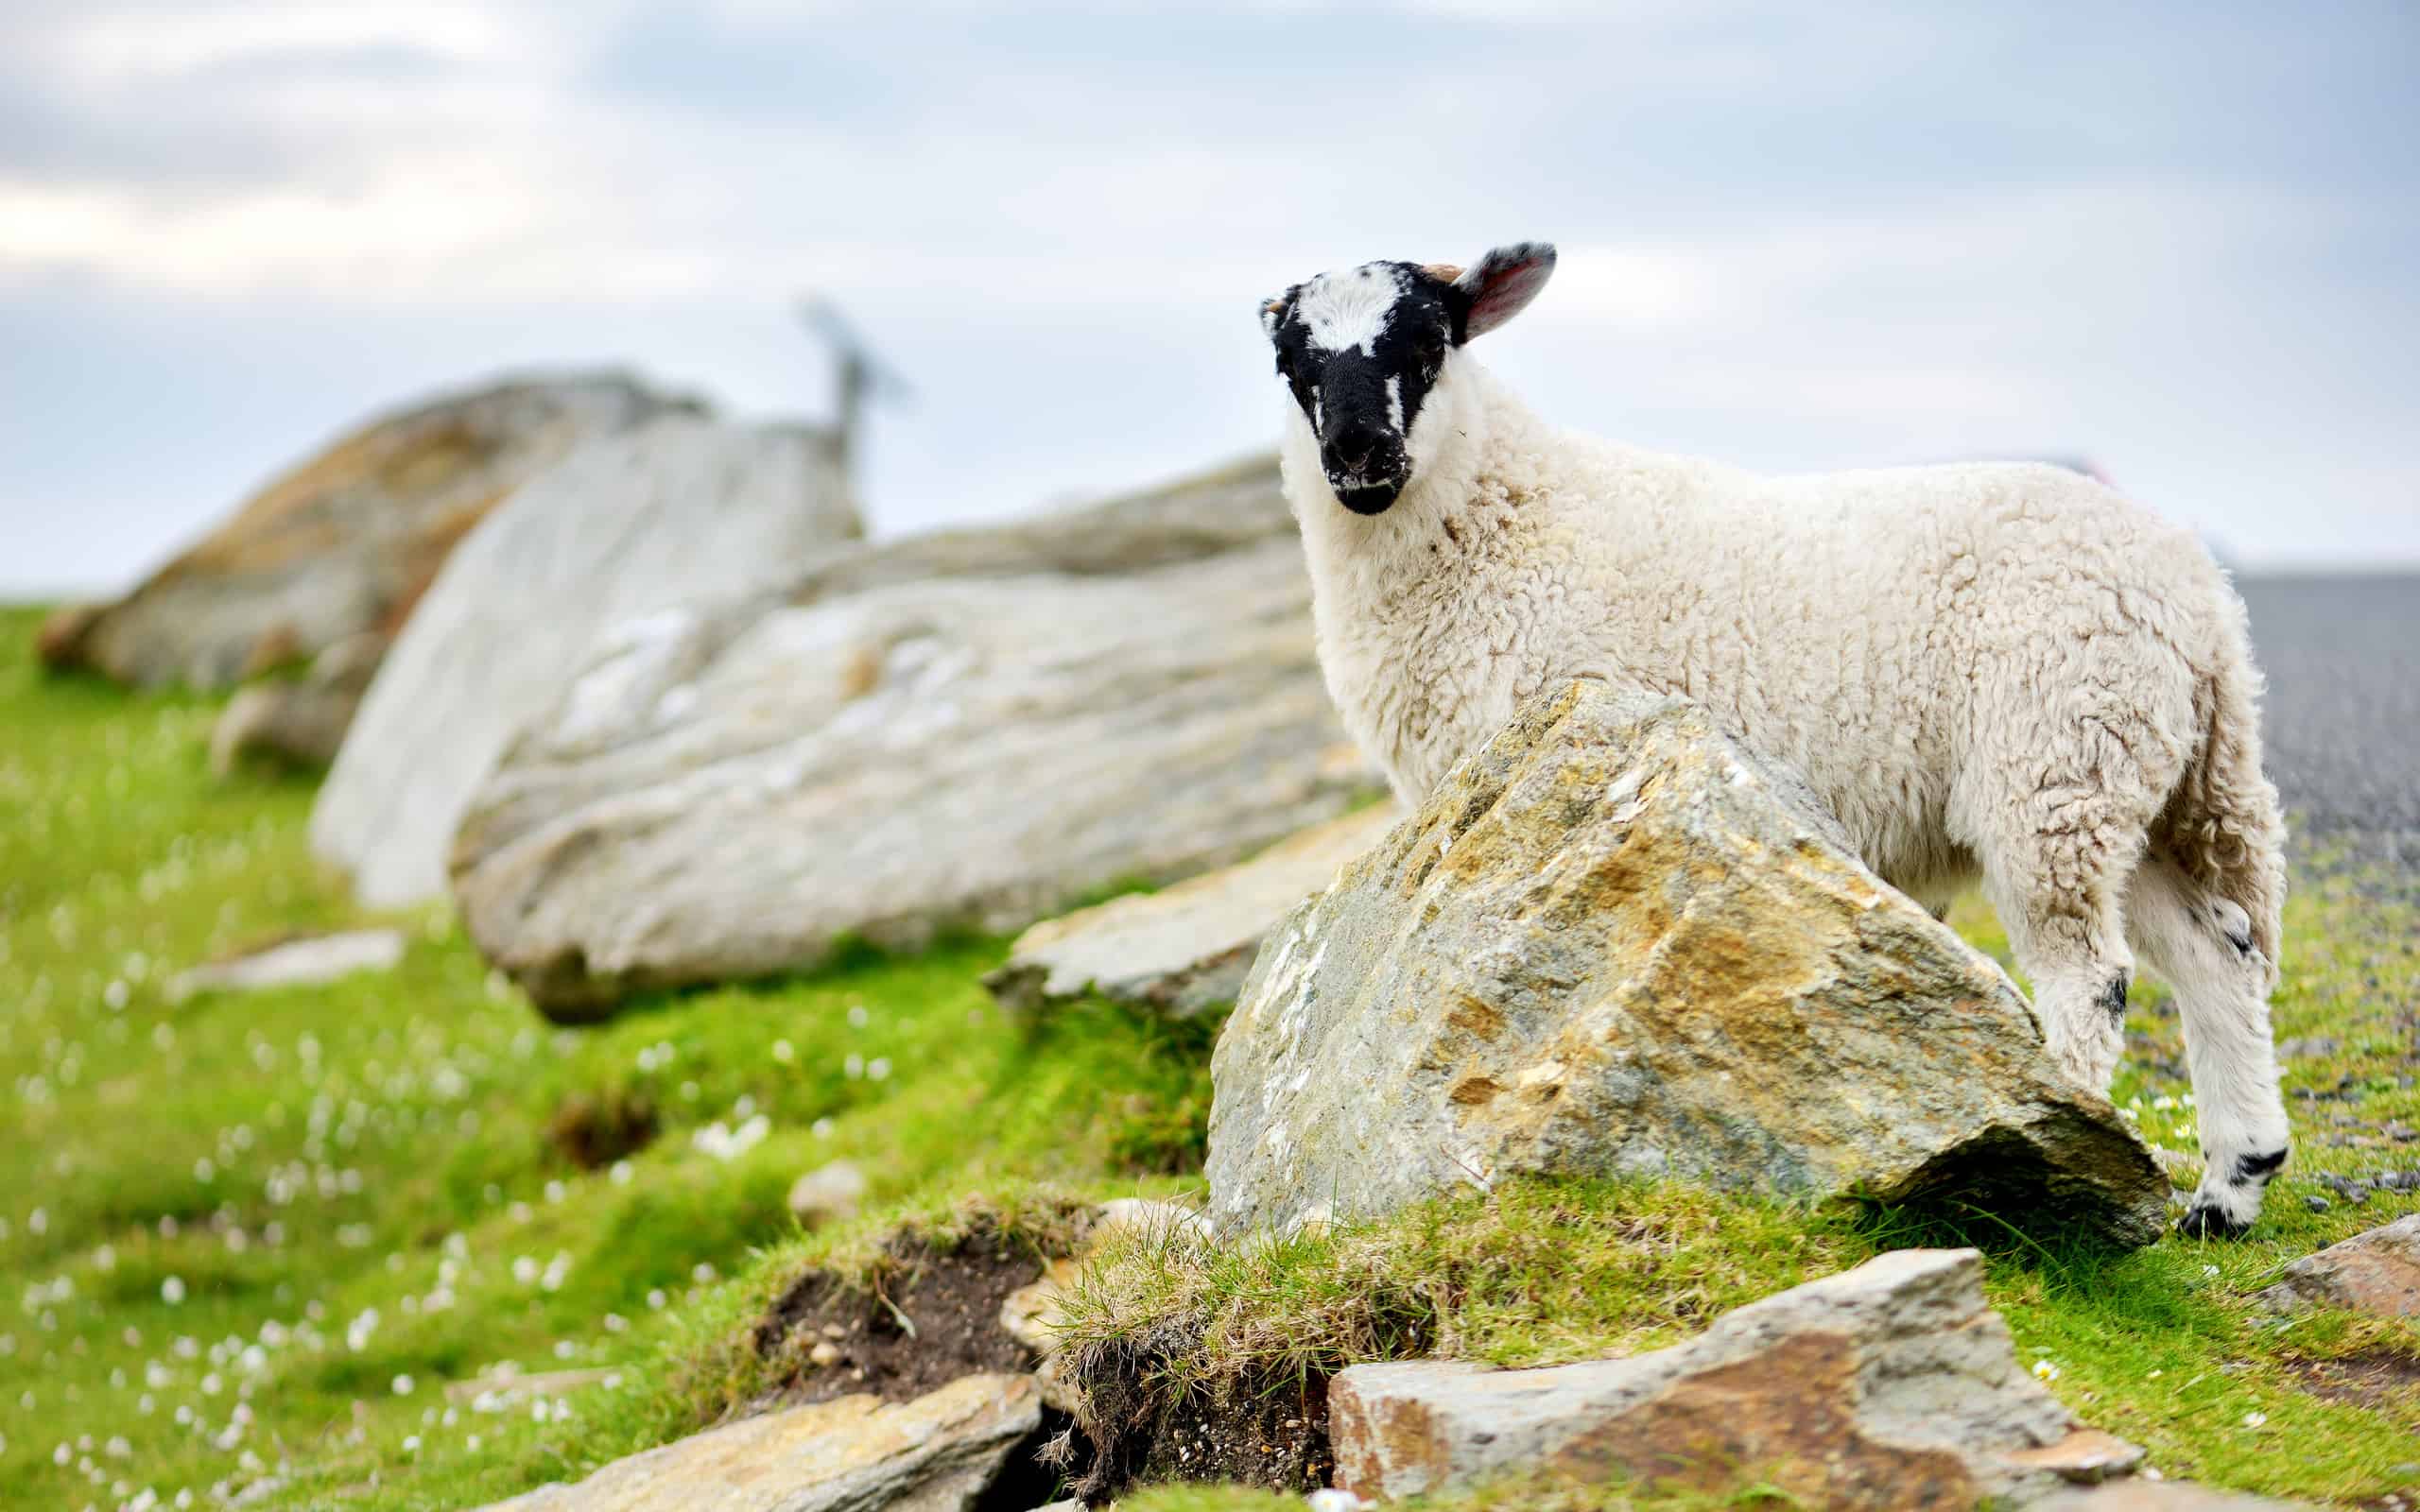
(1361, 381)
(2113, 997)
(2250, 1169)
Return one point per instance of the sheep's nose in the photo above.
(1349, 449)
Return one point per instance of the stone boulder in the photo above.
(298, 723)
(938, 1453)
(624, 527)
(969, 731)
(1615, 942)
(1888, 1387)
(346, 543)
(1185, 947)
(2375, 1272)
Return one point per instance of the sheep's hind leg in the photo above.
(2202, 947)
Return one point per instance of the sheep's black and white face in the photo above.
(1361, 350)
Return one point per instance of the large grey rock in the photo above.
(1185, 947)
(625, 527)
(2375, 1272)
(1614, 941)
(971, 730)
(346, 543)
(937, 1454)
(1889, 1387)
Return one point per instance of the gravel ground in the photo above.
(2343, 714)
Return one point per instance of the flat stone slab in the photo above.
(633, 525)
(2136, 1494)
(967, 732)
(1615, 942)
(295, 963)
(1886, 1387)
(937, 1454)
(2375, 1272)
(1185, 947)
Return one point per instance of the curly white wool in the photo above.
(2003, 671)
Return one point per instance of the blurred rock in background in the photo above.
(347, 542)
(625, 527)
(971, 730)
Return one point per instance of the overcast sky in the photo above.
(2183, 241)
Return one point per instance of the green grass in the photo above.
(237, 1226)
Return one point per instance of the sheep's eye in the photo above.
(1431, 349)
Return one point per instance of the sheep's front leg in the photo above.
(2067, 926)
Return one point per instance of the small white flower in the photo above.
(412, 1443)
(621, 1172)
(783, 1052)
(172, 1291)
(2045, 1371)
(403, 1385)
(2254, 1419)
(1332, 1500)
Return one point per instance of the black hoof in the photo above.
(2208, 1221)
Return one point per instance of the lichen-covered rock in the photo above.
(937, 1454)
(2375, 1272)
(1614, 941)
(1185, 948)
(346, 543)
(970, 731)
(1889, 1387)
(678, 509)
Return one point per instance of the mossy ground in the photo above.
(253, 1237)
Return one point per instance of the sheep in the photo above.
(1993, 670)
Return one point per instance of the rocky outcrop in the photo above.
(1885, 1388)
(678, 509)
(2375, 1272)
(1185, 947)
(1615, 941)
(346, 543)
(937, 1454)
(969, 731)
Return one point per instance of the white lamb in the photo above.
(2002, 670)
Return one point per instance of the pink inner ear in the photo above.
(1503, 290)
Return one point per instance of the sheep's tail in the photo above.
(2222, 826)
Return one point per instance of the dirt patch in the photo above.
(1143, 1428)
(594, 1131)
(2366, 1379)
(921, 1318)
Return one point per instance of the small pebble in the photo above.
(2317, 1203)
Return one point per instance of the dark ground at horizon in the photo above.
(2342, 718)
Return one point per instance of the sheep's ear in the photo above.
(1272, 312)
(1500, 283)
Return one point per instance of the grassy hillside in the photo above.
(253, 1237)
